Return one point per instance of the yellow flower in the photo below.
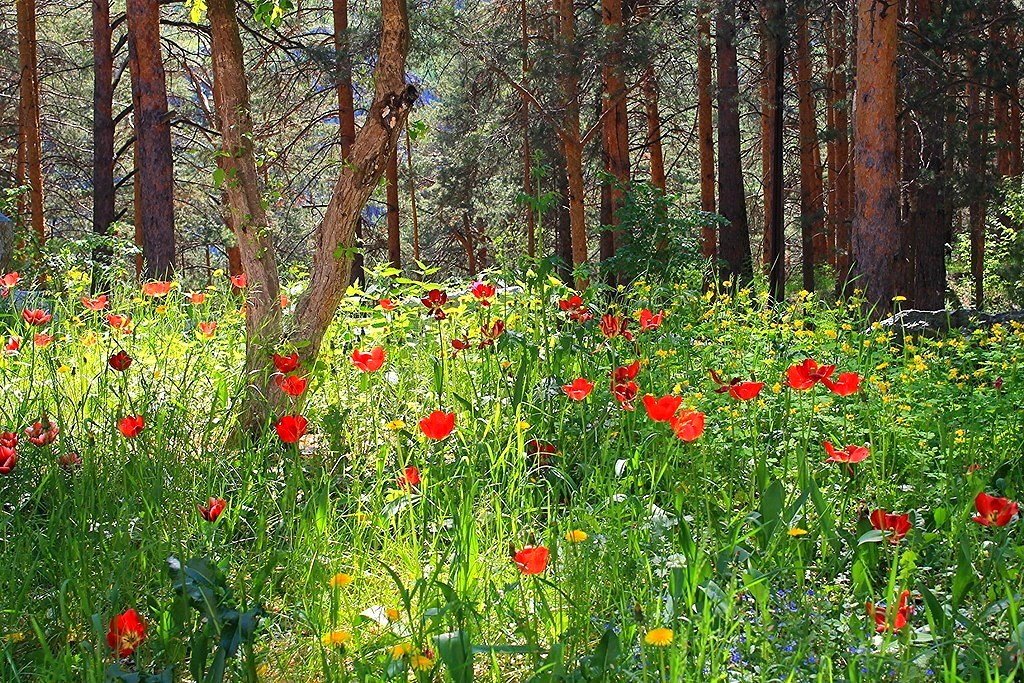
(341, 579)
(523, 425)
(659, 637)
(576, 536)
(401, 650)
(395, 425)
(15, 637)
(899, 298)
(797, 531)
(392, 614)
(420, 662)
(336, 638)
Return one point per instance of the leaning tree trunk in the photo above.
(155, 169)
(102, 136)
(876, 221)
(734, 242)
(30, 152)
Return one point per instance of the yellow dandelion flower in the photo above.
(341, 579)
(395, 425)
(523, 425)
(659, 637)
(401, 650)
(392, 614)
(576, 536)
(420, 662)
(336, 638)
(796, 532)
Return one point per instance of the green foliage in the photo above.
(1006, 252)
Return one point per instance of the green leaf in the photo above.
(457, 653)
(873, 536)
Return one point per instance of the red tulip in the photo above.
(196, 298)
(369, 361)
(211, 511)
(438, 425)
(850, 455)
(69, 461)
(613, 326)
(650, 321)
(293, 385)
(490, 333)
(846, 384)
(625, 393)
(127, 632)
(9, 439)
(12, 346)
(483, 292)
(884, 621)
(290, 428)
(42, 433)
(994, 511)
(625, 372)
(286, 364)
(95, 304)
(737, 388)
(10, 280)
(573, 305)
(122, 323)
(120, 361)
(387, 304)
(578, 389)
(540, 453)
(532, 560)
(42, 340)
(132, 425)
(240, 281)
(208, 329)
(409, 478)
(688, 425)
(459, 345)
(156, 289)
(434, 301)
(894, 526)
(36, 316)
(662, 409)
(8, 458)
(805, 375)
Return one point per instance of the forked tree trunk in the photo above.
(735, 234)
(705, 131)
(876, 237)
(812, 211)
(394, 225)
(30, 148)
(155, 170)
(102, 135)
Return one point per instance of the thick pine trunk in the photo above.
(876, 221)
(155, 170)
(735, 234)
(30, 148)
(976, 161)
(812, 211)
(394, 225)
(102, 135)
(705, 131)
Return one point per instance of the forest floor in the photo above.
(517, 487)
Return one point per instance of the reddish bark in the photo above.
(615, 133)
(30, 149)
(775, 237)
(705, 131)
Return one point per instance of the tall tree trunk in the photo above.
(812, 211)
(30, 166)
(347, 116)
(839, 165)
(155, 168)
(976, 164)
(735, 234)
(572, 143)
(876, 221)
(102, 136)
(531, 219)
(775, 228)
(394, 226)
(705, 131)
(563, 222)
(652, 112)
(767, 93)
(615, 127)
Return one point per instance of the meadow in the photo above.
(507, 481)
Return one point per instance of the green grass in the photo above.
(701, 538)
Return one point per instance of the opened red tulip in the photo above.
(132, 425)
(845, 384)
(739, 389)
(994, 511)
(9, 280)
(891, 618)
(12, 346)
(662, 409)
(127, 632)
(286, 364)
(438, 425)
(212, 509)
(540, 453)
(240, 281)
(625, 393)
(409, 478)
(95, 303)
(850, 455)
(650, 321)
(387, 304)
(688, 425)
(483, 292)
(121, 323)
(894, 526)
(156, 289)
(804, 376)
(490, 333)
(42, 340)
(36, 316)
(120, 361)
(196, 298)
(293, 385)
(532, 560)
(578, 389)
(434, 301)
(291, 428)
(575, 308)
(69, 461)
(369, 361)
(42, 433)
(208, 329)
(8, 459)
(613, 326)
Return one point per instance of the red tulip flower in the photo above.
(208, 329)
(8, 458)
(240, 281)
(688, 425)
(483, 292)
(368, 361)
(8, 439)
(211, 511)
(894, 526)
(12, 346)
(434, 301)
(69, 461)
(532, 560)
(459, 345)
(121, 323)
(850, 455)
(42, 433)
(650, 321)
(578, 389)
(438, 425)
(574, 307)
(846, 384)
(36, 316)
(994, 511)
(490, 333)
(42, 340)
(804, 376)
(120, 361)
(387, 304)
(293, 385)
(889, 619)
(286, 364)
(131, 426)
(95, 304)
(625, 393)
(127, 632)
(9, 281)
(196, 298)
(613, 326)
(540, 453)
(739, 389)
(662, 409)
(290, 428)
(409, 478)
(625, 373)
(156, 289)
